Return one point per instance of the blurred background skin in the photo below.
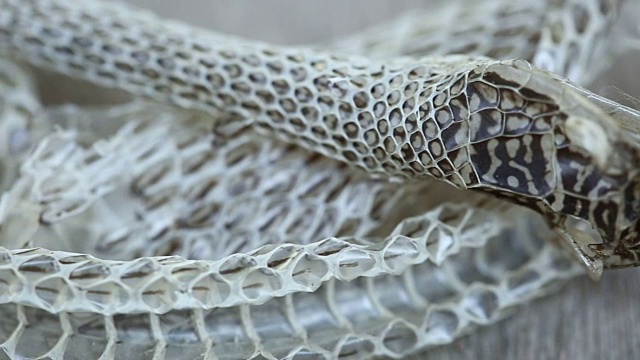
(585, 320)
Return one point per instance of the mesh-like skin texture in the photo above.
(134, 217)
(295, 210)
(385, 315)
(464, 120)
(567, 37)
(466, 279)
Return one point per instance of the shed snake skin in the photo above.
(375, 195)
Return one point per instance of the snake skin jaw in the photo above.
(582, 168)
(609, 237)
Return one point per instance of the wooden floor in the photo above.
(586, 320)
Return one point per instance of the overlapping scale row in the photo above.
(388, 315)
(64, 281)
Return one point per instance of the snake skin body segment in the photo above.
(441, 299)
(497, 126)
(271, 284)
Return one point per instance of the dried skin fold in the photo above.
(502, 127)
(69, 212)
(21, 121)
(141, 194)
(385, 315)
(93, 199)
(287, 252)
(566, 37)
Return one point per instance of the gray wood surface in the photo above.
(585, 320)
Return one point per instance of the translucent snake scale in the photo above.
(375, 195)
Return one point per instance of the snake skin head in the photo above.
(598, 181)
(581, 171)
